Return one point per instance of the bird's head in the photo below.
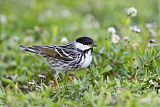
(85, 43)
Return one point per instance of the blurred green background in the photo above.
(73, 18)
(123, 74)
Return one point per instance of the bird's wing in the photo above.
(57, 52)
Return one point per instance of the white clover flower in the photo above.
(132, 12)
(115, 38)
(3, 19)
(135, 29)
(42, 76)
(65, 13)
(152, 32)
(135, 46)
(28, 39)
(125, 38)
(111, 30)
(151, 28)
(32, 82)
(15, 39)
(152, 41)
(64, 40)
(151, 25)
(155, 84)
(151, 82)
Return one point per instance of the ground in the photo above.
(126, 64)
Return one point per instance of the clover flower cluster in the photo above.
(64, 40)
(33, 83)
(153, 83)
(135, 29)
(151, 28)
(115, 37)
(3, 19)
(132, 12)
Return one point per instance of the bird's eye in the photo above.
(86, 43)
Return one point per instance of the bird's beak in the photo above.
(94, 45)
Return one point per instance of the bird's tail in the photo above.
(33, 49)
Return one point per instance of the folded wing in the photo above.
(55, 52)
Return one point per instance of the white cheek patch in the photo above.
(82, 47)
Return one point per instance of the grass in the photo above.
(122, 74)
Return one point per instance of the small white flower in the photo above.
(15, 39)
(151, 25)
(64, 40)
(135, 29)
(125, 38)
(155, 84)
(151, 82)
(152, 41)
(42, 76)
(152, 32)
(111, 30)
(28, 39)
(32, 82)
(132, 12)
(65, 13)
(135, 46)
(3, 19)
(115, 38)
(37, 86)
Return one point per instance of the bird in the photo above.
(72, 56)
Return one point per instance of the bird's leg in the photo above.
(69, 77)
(57, 85)
(56, 75)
